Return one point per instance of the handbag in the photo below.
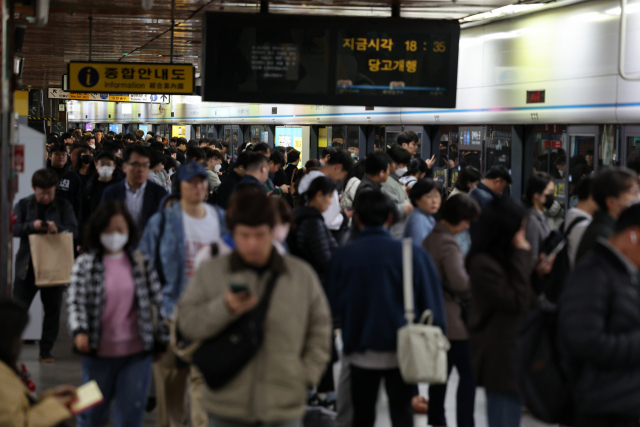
(222, 357)
(422, 347)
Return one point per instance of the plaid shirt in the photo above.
(85, 301)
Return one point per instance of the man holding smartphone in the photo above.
(41, 213)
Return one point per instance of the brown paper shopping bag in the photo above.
(52, 256)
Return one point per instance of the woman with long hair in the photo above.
(498, 266)
(85, 167)
(538, 197)
(115, 316)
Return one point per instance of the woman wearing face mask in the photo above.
(114, 300)
(85, 167)
(426, 198)
(311, 240)
(417, 170)
(538, 197)
(282, 226)
(107, 174)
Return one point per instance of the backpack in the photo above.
(561, 266)
(542, 382)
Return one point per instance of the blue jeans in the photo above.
(503, 409)
(221, 422)
(124, 381)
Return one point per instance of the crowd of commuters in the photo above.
(179, 245)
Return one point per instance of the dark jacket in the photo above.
(69, 187)
(599, 331)
(289, 172)
(153, 195)
(250, 180)
(26, 211)
(497, 302)
(601, 226)
(364, 287)
(227, 187)
(280, 178)
(366, 184)
(483, 195)
(92, 194)
(311, 240)
(449, 260)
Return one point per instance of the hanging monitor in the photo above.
(267, 58)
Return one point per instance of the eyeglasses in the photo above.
(145, 165)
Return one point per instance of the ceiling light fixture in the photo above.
(511, 9)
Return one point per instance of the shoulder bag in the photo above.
(222, 357)
(422, 347)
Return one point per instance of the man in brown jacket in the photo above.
(272, 388)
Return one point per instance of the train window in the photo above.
(378, 138)
(337, 136)
(633, 146)
(353, 140)
(211, 132)
(227, 134)
(498, 146)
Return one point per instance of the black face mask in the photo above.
(549, 201)
(86, 159)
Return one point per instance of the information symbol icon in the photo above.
(88, 77)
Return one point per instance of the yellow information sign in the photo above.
(322, 137)
(178, 131)
(79, 96)
(119, 97)
(297, 143)
(131, 77)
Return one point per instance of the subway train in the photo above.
(531, 88)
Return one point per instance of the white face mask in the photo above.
(401, 171)
(113, 242)
(105, 171)
(216, 169)
(560, 172)
(280, 232)
(93, 146)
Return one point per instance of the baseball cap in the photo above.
(190, 170)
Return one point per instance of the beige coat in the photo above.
(449, 260)
(297, 342)
(15, 409)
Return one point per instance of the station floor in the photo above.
(66, 370)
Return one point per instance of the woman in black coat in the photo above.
(310, 239)
(499, 266)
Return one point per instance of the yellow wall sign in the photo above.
(131, 77)
(79, 96)
(297, 143)
(178, 131)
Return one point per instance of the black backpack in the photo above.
(542, 382)
(561, 266)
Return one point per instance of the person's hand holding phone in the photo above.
(52, 227)
(239, 300)
(39, 225)
(545, 264)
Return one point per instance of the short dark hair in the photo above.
(611, 182)
(99, 221)
(320, 184)
(193, 143)
(293, 156)
(373, 208)
(195, 154)
(250, 206)
(499, 171)
(466, 176)
(422, 187)
(88, 138)
(78, 144)
(535, 185)
(65, 135)
(262, 147)
(561, 160)
(130, 137)
(217, 143)
(155, 158)
(407, 136)
(135, 148)
(210, 153)
(277, 158)
(58, 147)
(376, 162)
(399, 155)
(182, 140)
(630, 217)
(106, 153)
(583, 189)
(458, 208)
(255, 160)
(282, 209)
(327, 151)
(14, 317)
(341, 157)
(44, 178)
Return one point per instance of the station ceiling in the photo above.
(124, 31)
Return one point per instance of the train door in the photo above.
(630, 139)
(233, 135)
(582, 154)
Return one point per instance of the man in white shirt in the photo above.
(336, 168)
(581, 215)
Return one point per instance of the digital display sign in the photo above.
(329, 60)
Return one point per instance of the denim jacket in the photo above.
(168, 240)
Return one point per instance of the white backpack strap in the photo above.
(407, 279)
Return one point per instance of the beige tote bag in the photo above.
(422, 347)
(52, 257)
